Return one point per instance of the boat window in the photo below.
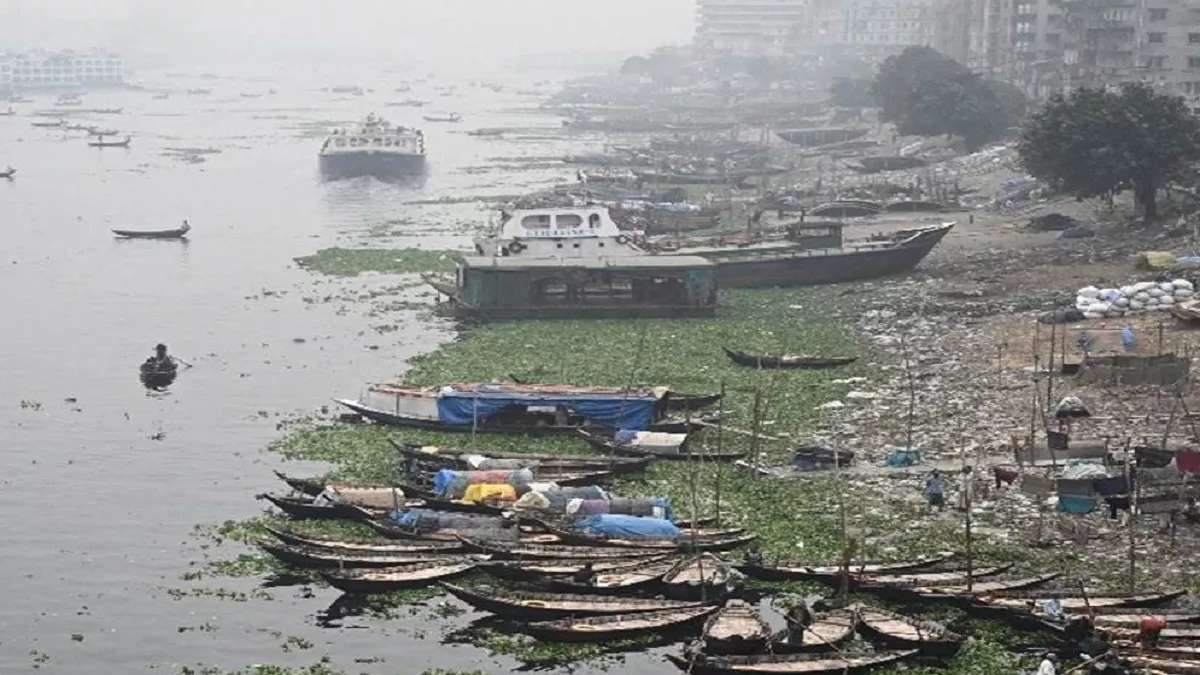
(341, 142)
(377, 141)
(567, 221)
(536, 222)
(594, 221)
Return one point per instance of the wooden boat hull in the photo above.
(683, 544)
(156, 377)
(822, 635)
(389, 579)
(537, 570)
(361, 546)
(518, 551)
(832, 573)
(535, 606)
(777, 362)
(669, 622)
(630, 581)
(301, 508)
(318, 558)
(338, 165)
(901, 632)
(152, 234)
(808, 664)
(960, 593)
(704, 577)
(457, 461)
(736, 630)
(802, 268)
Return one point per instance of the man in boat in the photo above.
(585, 575)
(753, 555)
(161, 360)
(185, 227)
(935, 490)
(1149, 630)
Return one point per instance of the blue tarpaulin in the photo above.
(619, 410)
(442, 480)
(626, 527)
(1076, 504)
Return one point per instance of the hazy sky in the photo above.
(475, 29)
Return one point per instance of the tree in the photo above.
(927, 93)
(1098, 142)
(851, 92)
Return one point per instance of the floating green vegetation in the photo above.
(351, 262)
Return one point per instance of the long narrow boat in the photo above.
(355, 546)
(617, 626)
(822, 635)
(716, 541)
(614, 582)
(531, 570)
(787, 360)
(702, 577)
(678, 453)
(521, 550)
(513, 536)
(380, 497)
(1126, 618)
(1159, 662)
(963, 593)
(8, 173)
(1071, 600)
(798, 571)
(903, 632)
(305, 507)
(179, 233)
(949, 577)
(534, 606)
(390, 579)
(459, 460)
(773, 664)
(315, 558)
(736, 629)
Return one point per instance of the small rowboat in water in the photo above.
(600, 628)
(798, 571)
(627, 581)
(361, 546)
(101, 143)
(736, 629)
(786, 361)
(899, 631)
(533, 606)
(702, 577)
(773, 664)
(318, 557)
(822, 635)
(390, 579)
(157, 375)
(532, 570)
(180, 233)
(8, 173)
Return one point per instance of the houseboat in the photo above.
(511, 408)
(373, 148)
(584, 232)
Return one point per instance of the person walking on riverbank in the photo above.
(935, 490)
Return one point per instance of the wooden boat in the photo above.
(523, 550)
(457, 460)
(450, 117)
(1160, 662)
(786, 361)
(306, 507)
(680, 452)
(736, 629)
(391, 530)
(179, 233)
(375, 498)
(903, 632)
(715, 541)
(157, 375)
(356, 546)
(537, 569)
(822, 635)
(952, 577)
(49, 125)
(8, 173)
(1188, 634)
(798, 571)
(773, 664)
(1120, 617)
(629, 580)
(702, 577)
(101, 143)
(533, 606)
(962, 592)
(1070, 600)
(390, 579)
(300, 556)
(617, 626)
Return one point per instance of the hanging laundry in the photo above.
(1113, 485)
(1116, 504)
(1004, 475)
(1188, 461)
(1036, 485)
(1080, 487)
(1076, 504)
(1071, 406)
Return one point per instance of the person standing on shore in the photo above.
(935, 490)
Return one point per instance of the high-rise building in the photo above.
(764, 27)
(40, 70)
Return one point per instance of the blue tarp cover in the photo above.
(616, 410)
(626, 527)
(442, 480)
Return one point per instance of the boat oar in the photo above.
(185, 363)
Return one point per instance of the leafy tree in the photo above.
(851, 92)
(1098, 142)
(927, 93)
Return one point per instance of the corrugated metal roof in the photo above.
(615, 263)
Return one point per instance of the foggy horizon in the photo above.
(483, 33)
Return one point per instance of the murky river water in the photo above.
(102, 483)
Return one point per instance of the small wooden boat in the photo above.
(962, 592)
(523, 550)
(101, 143)
(300, 556)
(307, 507)
(617, 626)
(619, 582)
(8, 173)
(716, 541)
(391, 530)
(773, 664)
(156, 375)
(822, 635)
(798, 571)
(1120, 617)
(679, 452)
(786, 361)
(736, 629)
(97, 131)
(179, 233)
(449, 117)
(951, 577)
(458, 460)
(903, 632)
(1160, 662)
(390, 579)
(49, 125)
(703, 577)
(533, 606)
(532, 570)
(356, 546)
(1071, 600)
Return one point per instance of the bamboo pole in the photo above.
(720, 449)
(912, 392)
(1132, 518)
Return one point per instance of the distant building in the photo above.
(60, 70)
(749, 27)
(874, 29)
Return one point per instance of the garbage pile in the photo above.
(1145, 296)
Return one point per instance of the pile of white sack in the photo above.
(1145, 296)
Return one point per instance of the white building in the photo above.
(44, 70)
(764, 27)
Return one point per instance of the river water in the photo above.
(103, 482)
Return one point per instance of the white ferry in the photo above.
(559, 232)
(373, 148)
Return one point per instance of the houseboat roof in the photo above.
(502, 388)
(614, 262)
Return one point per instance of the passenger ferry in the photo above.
(570, 232)
(373, 148)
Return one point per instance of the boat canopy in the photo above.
(618, 409)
